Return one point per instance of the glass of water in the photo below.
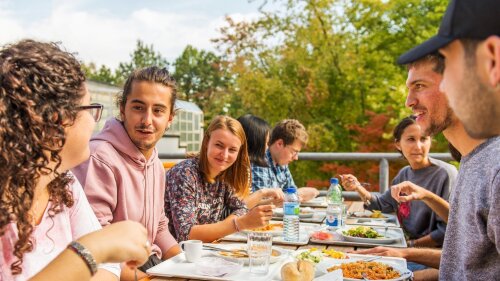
(259, 246)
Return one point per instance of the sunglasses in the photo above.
(95, 110)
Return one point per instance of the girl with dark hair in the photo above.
(201, 191)
(423, 227)
(47, 228)
(258, 131)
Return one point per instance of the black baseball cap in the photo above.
(472, 19)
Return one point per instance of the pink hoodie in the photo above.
(121, 184)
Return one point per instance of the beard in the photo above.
(477, 106)
(437, 127)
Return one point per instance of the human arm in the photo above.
(123, 241)
(265, 196)
(351, 183)
(101, 190)
(408, 191)
(165, 240)
(428, 274)
(425, 256)
(82, 220)
(257, 217)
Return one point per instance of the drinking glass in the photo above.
(259, 252)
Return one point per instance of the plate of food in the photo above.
(274, 229)
(367, 234)
(306, 212)
(316, 255)
(240, 253)
(372, 270)
(374, 215)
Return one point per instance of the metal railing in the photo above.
(383, 158)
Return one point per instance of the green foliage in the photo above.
(103, 74)
(201, 79)
(326, 63)
(142, 56)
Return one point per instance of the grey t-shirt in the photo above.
(472, 243)
(421, 220)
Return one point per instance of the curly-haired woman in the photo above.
(47, 228)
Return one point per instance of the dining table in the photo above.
(352, 207)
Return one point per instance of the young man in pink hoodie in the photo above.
(124, 179)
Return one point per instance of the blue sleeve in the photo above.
(289, 178)
(260, 178)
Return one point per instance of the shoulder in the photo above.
(444, 167)
(191, 164)
(404, 171)
(103, 151)
(185, 171)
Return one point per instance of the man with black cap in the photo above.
(469, 39)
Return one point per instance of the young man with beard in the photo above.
(472, 242)
(469, 39)
(124, 179)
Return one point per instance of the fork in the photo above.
(365, 278)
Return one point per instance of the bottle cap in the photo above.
(334, 181)
(291, 189)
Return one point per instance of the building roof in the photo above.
(187, 106)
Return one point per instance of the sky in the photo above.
(106, 31)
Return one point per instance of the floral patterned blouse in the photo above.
(190, 200)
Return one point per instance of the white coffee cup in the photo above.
(192, 249)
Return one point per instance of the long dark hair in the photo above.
(40, 89)
(256, 130)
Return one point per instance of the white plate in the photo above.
(218, 266)
(366, 215)
(405, 274)
(304, 212)
(276, 232)
(316, 202)
(391, 237)
(280, 253)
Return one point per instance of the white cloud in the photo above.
(106, 38)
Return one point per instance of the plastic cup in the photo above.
(259, 252)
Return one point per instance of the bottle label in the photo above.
(291, 209)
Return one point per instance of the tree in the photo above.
(326, 63)
(104, 74)
(142, 56)
(201, 79)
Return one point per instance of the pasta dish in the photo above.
(373, 270)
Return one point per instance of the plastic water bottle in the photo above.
(334, 216)
(334, 194)
(291, 209)
(335, 206)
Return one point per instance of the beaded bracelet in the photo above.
(236, 225)
(85, 255)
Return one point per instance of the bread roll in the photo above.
(297, 271)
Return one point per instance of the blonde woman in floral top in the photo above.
(201, 191)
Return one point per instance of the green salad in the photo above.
(312, 256)
(363, 232)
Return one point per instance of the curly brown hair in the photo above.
(40, 90)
